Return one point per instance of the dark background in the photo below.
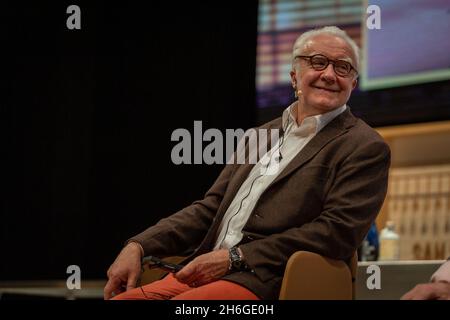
(86, 118)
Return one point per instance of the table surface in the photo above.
(397, 277)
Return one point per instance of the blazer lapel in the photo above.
(242, 172)
(332, 130)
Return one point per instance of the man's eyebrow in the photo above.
(348, 59)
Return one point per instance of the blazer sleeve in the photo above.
(351, 205)
(183, 231)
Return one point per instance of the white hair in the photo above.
(300, 43)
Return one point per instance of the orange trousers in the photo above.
(170, 288)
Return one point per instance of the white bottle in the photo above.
(389, 243)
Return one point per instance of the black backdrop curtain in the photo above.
(87, 117)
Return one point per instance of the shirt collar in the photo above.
(311, 124)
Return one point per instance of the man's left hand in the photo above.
(204, 269)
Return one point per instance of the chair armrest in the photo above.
(310, 276)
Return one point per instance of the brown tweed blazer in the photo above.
(324, 201)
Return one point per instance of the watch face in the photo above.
(237, 264)
(235, 258)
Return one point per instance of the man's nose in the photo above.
(328, 74)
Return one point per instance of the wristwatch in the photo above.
(236, 261)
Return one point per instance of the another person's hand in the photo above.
(204, 269)
(429, 291)
(125, 270)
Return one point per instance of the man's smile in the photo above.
(325, 89)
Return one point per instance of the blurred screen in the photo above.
(411, 47)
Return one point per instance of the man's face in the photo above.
(324, 90)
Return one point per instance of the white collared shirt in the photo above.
(262, 174)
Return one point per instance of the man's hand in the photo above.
(429, 291)
(125, 270)
(205, 268)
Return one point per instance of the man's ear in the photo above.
(354, 83)
(293, 78)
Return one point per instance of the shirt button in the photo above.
(230, 232)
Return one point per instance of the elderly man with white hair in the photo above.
(330, 183)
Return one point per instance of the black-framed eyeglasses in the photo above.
(320, 62)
